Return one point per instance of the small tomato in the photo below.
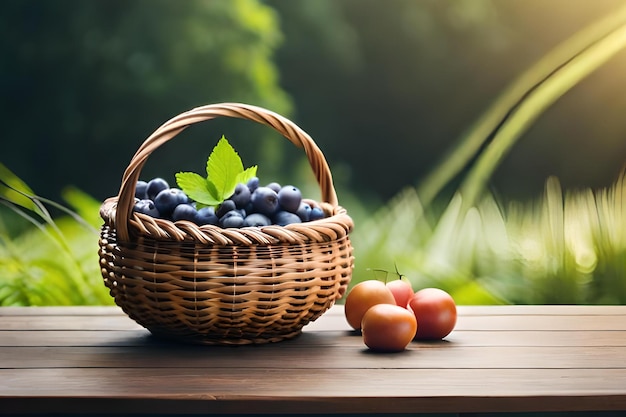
(388, 328)
(364, 295)
(401, 290)
(435, 312)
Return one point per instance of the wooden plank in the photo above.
(64, 322)
(513, 358)
(580, 338)
(137, 337)
(549, 323)
(62, 311)
(466, 310)
(506, 322)
(190, 390)
(141, 337)
(334, 322)
(305, 357)
(526, 310)
(543, 310)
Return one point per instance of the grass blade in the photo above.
(471, 142)
(544, 95)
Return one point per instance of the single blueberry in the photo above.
(304, 211)
(257, 220)
(167, 200)
(184, 212)
(141, 190)
(146, 207)
(155, 186)
(316, 214)
(225, 207)
(206, 215)
(253, 184)
(289, 198)
(264, 201)
(241, 196)
(283, 218)
(231, 219)
(274, 186)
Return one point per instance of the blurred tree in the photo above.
(82, 83)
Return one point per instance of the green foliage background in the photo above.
(84, 82)
(383, 87)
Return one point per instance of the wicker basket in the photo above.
(209, 285)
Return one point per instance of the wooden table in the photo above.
(81, 360)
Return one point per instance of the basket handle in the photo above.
(177, 124)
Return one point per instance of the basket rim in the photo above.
(124, 214)
(337, 225)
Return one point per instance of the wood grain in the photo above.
(80, 360)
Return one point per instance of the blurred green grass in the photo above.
(565, 248)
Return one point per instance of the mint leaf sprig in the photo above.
(224, 171)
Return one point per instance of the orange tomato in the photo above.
(388, 328)
(364, 295)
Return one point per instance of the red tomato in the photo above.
(401, 290)
(388, 328)
(364, 295)
(435, 312)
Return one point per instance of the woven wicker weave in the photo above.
(210, 285)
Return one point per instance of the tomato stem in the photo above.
(400, 276)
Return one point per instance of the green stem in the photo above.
(472, 140)
(568, 76)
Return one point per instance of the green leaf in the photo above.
(197, 188)
(224, 171)
(223, 167)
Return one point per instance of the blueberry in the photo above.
(225, 207)
(289, 198)
(274, 186)
(241, 196)
(231, 219)
(253, 184)
(304, 211)
(257, 220)
(155, 186)
(167, 200)
(264, 201)
(141, 190)
(146, 207)
(316, 214)
(283, 218)
(184, 212)
(206, 215)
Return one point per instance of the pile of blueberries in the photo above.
(250, 205)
